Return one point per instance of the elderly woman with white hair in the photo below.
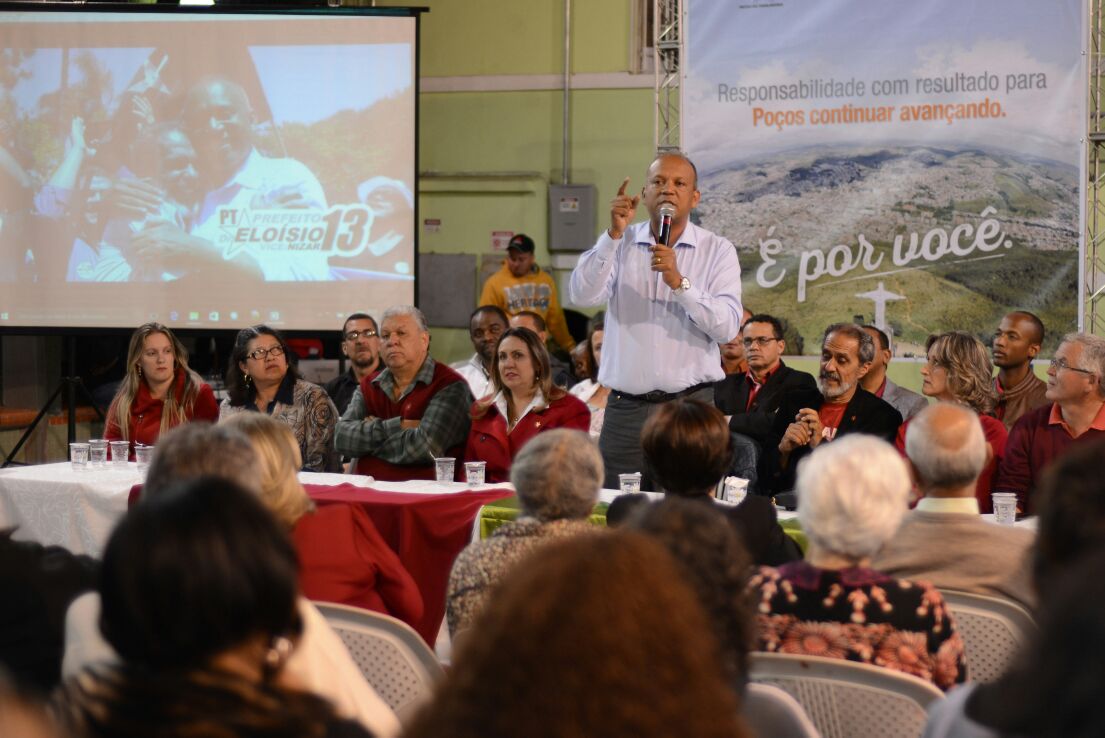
(557, 476)
(852, 496)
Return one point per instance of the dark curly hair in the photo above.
(598, 635)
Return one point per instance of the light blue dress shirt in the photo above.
(655, 339)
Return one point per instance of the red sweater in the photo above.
(996, 436)
(379, 405)
(1037, 439)
(343, 559)
(489, 441)
(145, 414)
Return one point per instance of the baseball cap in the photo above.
(522, 242)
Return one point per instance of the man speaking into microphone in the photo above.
(673, 294)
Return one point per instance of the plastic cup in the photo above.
(1005, 508)
(445, 468)
(97, 453)
(120, 450)
(735, 490)
(629, 483)
(78, 456)
(143, 454)
(475, 472)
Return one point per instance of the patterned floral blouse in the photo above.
(859, 615)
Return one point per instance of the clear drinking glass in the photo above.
(629, 483)
(78, 456)
(445, 468)
(97, 453)
(475, 472)
(143, 454)
(120, 450)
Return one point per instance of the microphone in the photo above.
(667, 211)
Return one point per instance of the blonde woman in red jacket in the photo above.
(159, 392)
(523, 402)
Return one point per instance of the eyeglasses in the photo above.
(761, 342)
(354, 335)
(1060, 364)
(261, 353)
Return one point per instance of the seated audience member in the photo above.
(844, 408)
(958, 370)
(716, 565)
(852, 496)
(1076, 415)
(561, 372)
(944, 541)
(360, 343)
(595, 636)
(623, 507)
(485, 326)
(1017, 341)
(523, 402)
(342, 557)
(260, 379)
(751, 400)
(320, 664)
(733, 355)
(410, 412)
(588, 389)
(557, 476)
(876, 382)
(1054, 688)
(688, 449)
(38, 583)
(198, 592)
(159, 391)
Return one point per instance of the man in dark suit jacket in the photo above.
(844, 407)
(751, 399)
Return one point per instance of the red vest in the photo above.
(378, 404)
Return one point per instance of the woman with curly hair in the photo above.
(595, 636)
(159, 392)
(958, 370)
(260, 379)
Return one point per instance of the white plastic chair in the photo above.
(392, 657)
(770, 711)
(993, 630)
(845, 699)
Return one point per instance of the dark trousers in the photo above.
(620, 439)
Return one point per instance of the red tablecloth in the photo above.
(427, 531)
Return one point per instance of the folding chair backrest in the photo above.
(993, 630)
(768, 710)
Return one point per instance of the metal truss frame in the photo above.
(1093, 298)
(668, 45)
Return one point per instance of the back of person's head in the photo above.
(1071, 505)
(558, 474)
(194, 571)
(687, 447)
(1054, 688)
(946, 446)
(202, 449)
(623, 507)
(714, 563)
(852, 494)
(278, 452)
(598, 635)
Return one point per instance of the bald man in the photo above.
(239, 180)
(944, 540)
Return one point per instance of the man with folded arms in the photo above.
(668, 307)
(876, 382)
(843, 407)
(751, 400)
(944, 540)
(1075, 415)
(412, 411)
(1017, 342)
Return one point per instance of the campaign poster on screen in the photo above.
(912, 164)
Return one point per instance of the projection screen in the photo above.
(206, 170)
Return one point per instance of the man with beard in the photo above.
(360, 343)
(485, 326)
(1017, 342)
(847, 352)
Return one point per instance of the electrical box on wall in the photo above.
(571, 217)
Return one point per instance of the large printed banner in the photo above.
(911, 164)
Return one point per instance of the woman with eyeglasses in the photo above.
(522, 402)
(159, 392)
(260, 379)
(958, 370)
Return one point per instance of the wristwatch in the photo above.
(684, 285)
